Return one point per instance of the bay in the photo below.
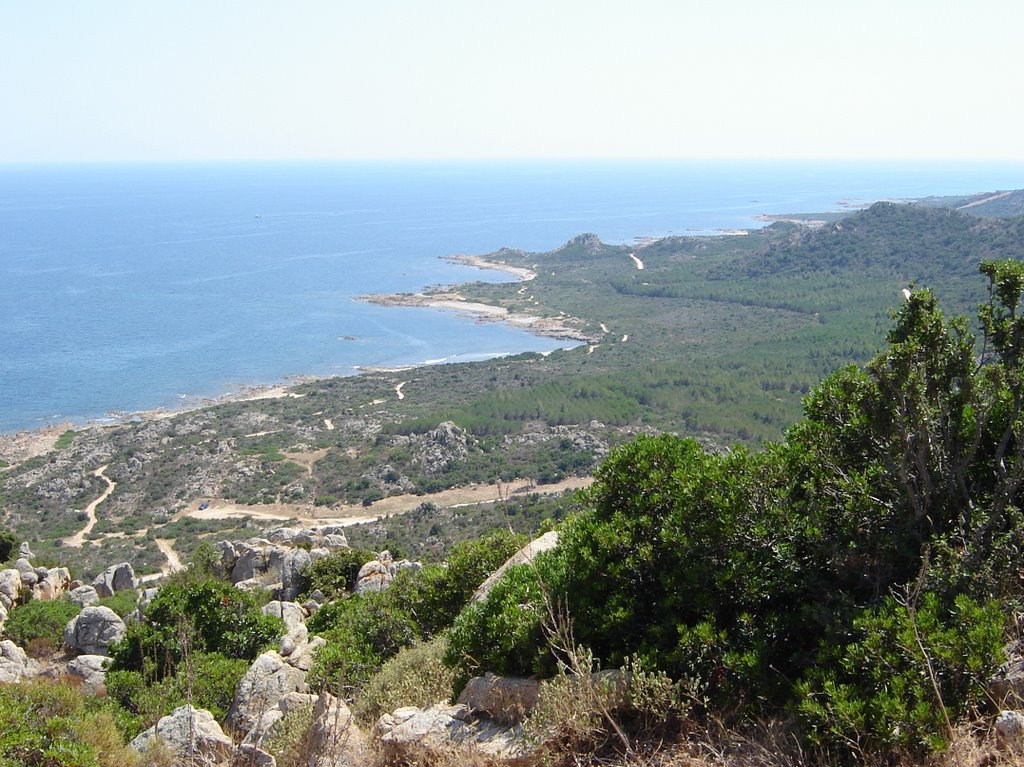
(131, 287)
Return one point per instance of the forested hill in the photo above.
(716, 337)
(912, 242)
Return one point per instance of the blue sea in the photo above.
(130, 287)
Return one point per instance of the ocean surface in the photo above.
(130, 287)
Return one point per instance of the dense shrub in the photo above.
(40, 621)
(414, 677)
(206, 680)
(902, 672)
(51, 724)
(8, 544)
(768, 580)
(203, 617)
(336, 574)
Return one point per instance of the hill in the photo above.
(718, 338)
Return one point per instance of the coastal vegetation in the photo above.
(716, 338)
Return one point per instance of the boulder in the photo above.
(10, 587)
(52, 584)
(294, 642)
(93, 670)
(93, 630)
(506, 700)
(24, 551)
(377, 574)
(411, 735)
(1010, 729)
(290, 612)
(525, 555)
(15, 663)
(114, 579)
(252, 756)
(253, 560)
(266, 727)
(83, 596)
(335, 739)
(1006, 687)
(268, 680)
(191, 733)
(302, 657)
(292, 565)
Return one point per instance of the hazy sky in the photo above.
(204, 79)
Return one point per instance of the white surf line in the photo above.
(398, 390)
(329, 424)
(78, 538)
(637, 261)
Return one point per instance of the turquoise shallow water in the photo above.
(128, 287)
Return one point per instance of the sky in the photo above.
(170, 80)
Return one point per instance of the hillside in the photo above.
(714, 337)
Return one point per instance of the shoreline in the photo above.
(21, 445)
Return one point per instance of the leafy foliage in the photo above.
(201, 617)
(39, 620)
(770, 577)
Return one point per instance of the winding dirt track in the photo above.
(78, 538)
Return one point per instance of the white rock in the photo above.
(268, 680)
(93, 630)
(190, 733)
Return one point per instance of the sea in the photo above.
(129, 287)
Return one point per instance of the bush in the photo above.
(208, 616)
(8, 544)
(51, 724)
(206, 680)
(361, 632)
(336, 574)
(880, 689)
(122, 603)
(40, 621)
(414, 677)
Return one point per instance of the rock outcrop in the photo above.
(114, 579)
(524, 556)
(93, 671)
(191, 733)
(335, 740)
(268, 679)
(411, 734)
(377, 574)
(506, 700)
(15, 665)
(93, 630)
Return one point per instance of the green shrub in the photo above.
(336, 574)
(122, 603)
(40, 621)
(414, 677)
(503, 633)
(361, 632)
(51, 724)
(208, 616)
(290, 741)
(879, 690)
(8, 543)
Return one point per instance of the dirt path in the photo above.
(78, 538)
(166, 546)
(983, 200)
(355, 514)
(398, 390)
(637, 261)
